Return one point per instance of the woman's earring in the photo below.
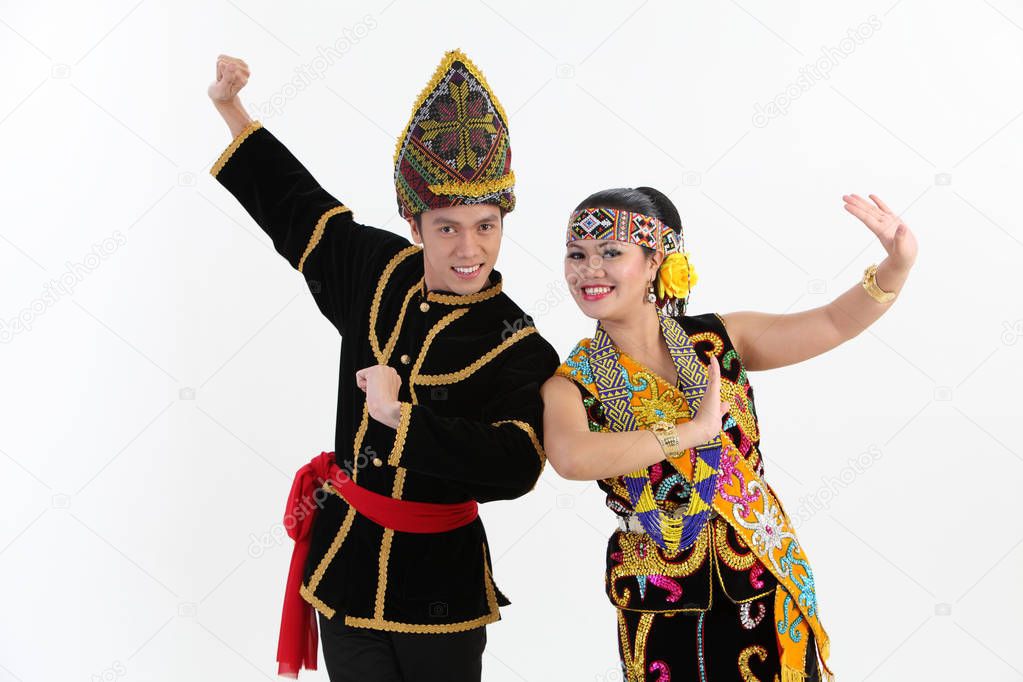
(650, 295)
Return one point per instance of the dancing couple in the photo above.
(440, 408)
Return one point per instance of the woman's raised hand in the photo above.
(894, 235)
(712, 409)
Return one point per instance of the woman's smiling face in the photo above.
(607, 278)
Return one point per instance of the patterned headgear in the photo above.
(676, 276)
(455, 149)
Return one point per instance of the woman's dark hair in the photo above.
(645, 200)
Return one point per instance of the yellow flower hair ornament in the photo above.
(676, 276)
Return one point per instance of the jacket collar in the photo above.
(492, 289)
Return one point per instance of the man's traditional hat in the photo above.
(455, 149)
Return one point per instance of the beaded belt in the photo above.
(632, 524)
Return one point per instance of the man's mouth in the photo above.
(595, 293)
(467, 271)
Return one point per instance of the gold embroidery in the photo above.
(532, 436)
(634, 655)
(731, 392)
(488, 583)
(399, 483)
(735, 395)
(719, 345)
(400, 434)
(342, 533)
(321, 225)
(421, 628)
(436, 329)
(454, 377)
(359, 435)
(315, 602)
(732, 559)
(385, 544)
(385, 355)
(384, 559)
(465, 299)
(744, 656)
(233, 147)
(715, 557)
(641, 556)
(374, 308)
(664, 404)
(475, 189)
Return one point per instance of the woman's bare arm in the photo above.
(768, 341)
(577, 453)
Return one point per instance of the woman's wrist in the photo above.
(890, 275)
(692, 433)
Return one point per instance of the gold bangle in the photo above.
(667, 436)
(869, 283)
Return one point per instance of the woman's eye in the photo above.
(575, 256)
(611, 253)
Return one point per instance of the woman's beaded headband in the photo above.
(623, 226)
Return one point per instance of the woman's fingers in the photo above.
(865, 208)
(883, 206)
(713, 393)
(857, 200)
(872, 222)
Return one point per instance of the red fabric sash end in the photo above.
(297, 642)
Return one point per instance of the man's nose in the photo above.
(468, 244)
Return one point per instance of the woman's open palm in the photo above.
(894, 235)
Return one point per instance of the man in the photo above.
(438, 403)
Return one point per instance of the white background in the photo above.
(153, 413)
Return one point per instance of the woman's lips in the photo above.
(596, 293)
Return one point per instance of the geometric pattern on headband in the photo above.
(623, 226)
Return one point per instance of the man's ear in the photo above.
(417, 235)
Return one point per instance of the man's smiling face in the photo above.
(460, 246)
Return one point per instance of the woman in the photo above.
(706, 573)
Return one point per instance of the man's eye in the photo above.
(446, 228)
(486, 227)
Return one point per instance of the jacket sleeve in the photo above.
(498, 457)
(311, 229)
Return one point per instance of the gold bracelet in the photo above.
(667, 436)
(870, 286)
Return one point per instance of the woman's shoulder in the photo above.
(709, 328)
(702, 322)
(576, 365)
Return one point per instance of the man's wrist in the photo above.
(392, 414)
(234, 115)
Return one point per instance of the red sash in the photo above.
(296, 646)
